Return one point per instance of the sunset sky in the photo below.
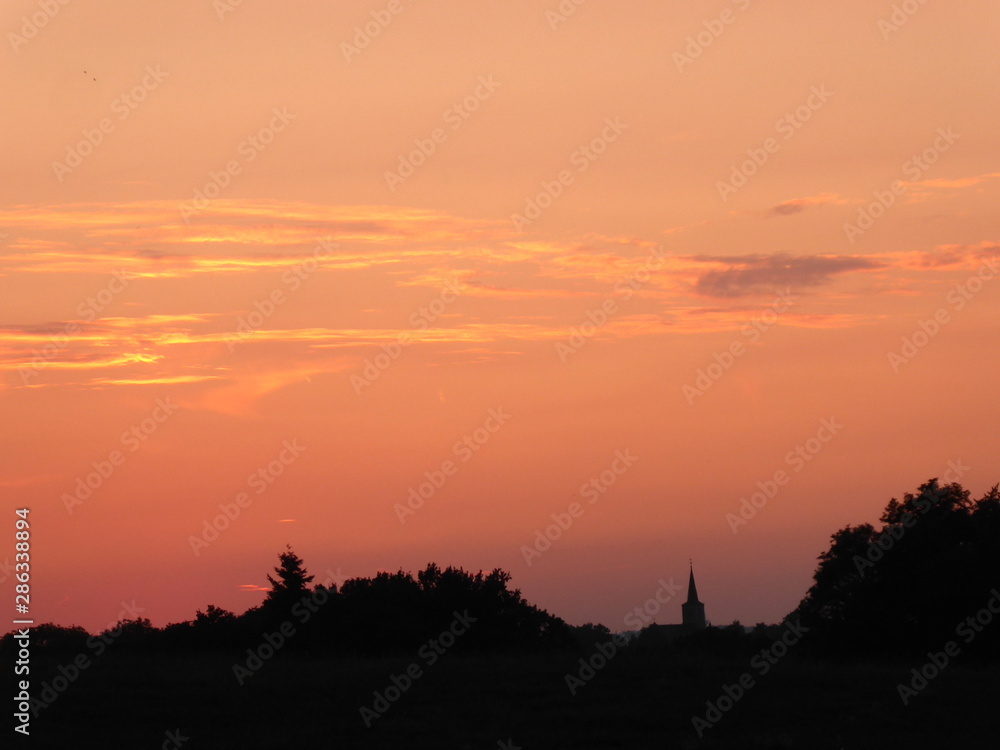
(257, 248)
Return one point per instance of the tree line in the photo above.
(387, 614)
(927, 575)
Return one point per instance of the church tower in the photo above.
(693, 611)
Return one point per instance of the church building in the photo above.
(692, 616)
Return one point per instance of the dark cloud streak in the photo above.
(756, 274)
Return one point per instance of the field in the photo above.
(638, 700)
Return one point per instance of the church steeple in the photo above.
(693, 611)
(692, 589)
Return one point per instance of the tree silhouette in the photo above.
(213, 616)
(292, 582)
(905, 587)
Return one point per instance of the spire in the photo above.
(692, 589)
(693, 611)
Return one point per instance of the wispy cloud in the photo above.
(958, 183)
(517, 293)
(761, 274)
(798, 205)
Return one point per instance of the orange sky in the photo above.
(249, 255)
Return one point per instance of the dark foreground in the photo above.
(639, 700)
